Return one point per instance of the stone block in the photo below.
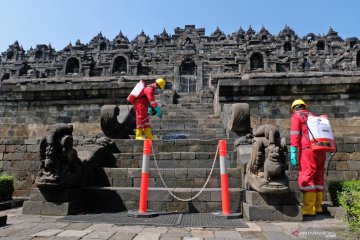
(184, 183)
(264, 213)
(134, 172)
(167, 173)
(170, 182)
(196, 173)
(67, 195)
(215, 195)
(62, 209)
(341, 156)
(353, 165)
(180, 173)
(355, 156)
(157, 205)
(3, 219)
(255, 198)
(118, 172)
(52, 208)
(127, 195)
(177, 207)
(205, 196)
(187, 155)
(122, 182)
(292, 213)
(282, 199)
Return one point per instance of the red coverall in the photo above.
(311, 163)
(141, 104)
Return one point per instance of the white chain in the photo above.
(167, 188)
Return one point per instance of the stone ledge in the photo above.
(15, 203)
(272, 213)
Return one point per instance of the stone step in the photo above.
(189, 121)
(174, 116)
(184, 125)
(174, 160)
(173, 177)
(198, 137)
(188, 132)
(192, 115)
(189, 106)
(159, 199)
(169, 146)
(187, 110)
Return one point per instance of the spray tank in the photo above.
(136, 91)
(321, 135)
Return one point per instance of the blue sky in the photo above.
(59, 22)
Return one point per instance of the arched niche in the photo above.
(72, 66)
(188, 67)
(102, 46)
(287, 47)
(119, 65)
(256, 61)
(38, 54)
(320, 45)
(10, 55)
(358, 59)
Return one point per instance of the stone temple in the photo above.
(206, 75)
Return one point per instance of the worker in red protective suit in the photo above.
(144, 104)
(311, 163)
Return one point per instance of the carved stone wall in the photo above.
(238, 53)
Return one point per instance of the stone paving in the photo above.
(24, 227)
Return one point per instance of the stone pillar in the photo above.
(199, 77)
(176, 85)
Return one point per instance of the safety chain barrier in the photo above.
(201, 190)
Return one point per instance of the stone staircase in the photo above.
(188, 137)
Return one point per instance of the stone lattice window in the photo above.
(188, 67)
(256, 61)
(120, 65)
(72, 66)
(320, 45)
(358, 59)
(287, 47)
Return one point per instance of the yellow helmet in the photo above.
(298, 102)
(161, 82)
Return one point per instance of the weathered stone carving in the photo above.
(239, 121)
(265, 172)
(64, 167)
(118, 122)
(60, 166)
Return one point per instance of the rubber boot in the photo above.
(148, 134)
(138, 134)
(318, 202)
(308, 207)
